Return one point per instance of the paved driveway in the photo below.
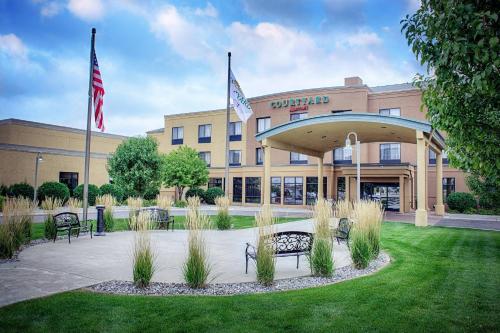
(55, 267)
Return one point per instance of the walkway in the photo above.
(56, 267)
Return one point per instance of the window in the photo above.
(70, 179)
(293, 190)
(235, 131)
(296, 158)
(205, 156)
(216, 182)
(235, 157)
(237, 189)
(263, 124)
(177, 135)
(297, 116)
(340, 188)
(342, 156)
(448, 187)
(396, 112)
(205, 133)
(390, 153)
(259, 156)
(312, 189)
(432, 157)
(252, 189)
(275, 190)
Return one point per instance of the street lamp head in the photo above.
(348, 143)
(39, 157)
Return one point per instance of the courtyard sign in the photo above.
(300, 103)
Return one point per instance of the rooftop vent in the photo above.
(353, 81)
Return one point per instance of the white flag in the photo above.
(240, 103)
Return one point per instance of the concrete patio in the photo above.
(56, 267)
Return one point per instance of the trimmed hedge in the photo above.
(195, 192)
(211, 194)
(21, 190)
(151, 193)
(3, 190)
(461, 201)
(116, 191)
(93, 193)
(54, 190)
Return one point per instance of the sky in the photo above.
(165, 57)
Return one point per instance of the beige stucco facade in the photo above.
(62, 150)
(353, 96)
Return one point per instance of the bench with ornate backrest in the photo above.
(160, 217)
(285, 244)
(343, 230)
(69, 222)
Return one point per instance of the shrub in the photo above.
(321, 259)
(21, 190)
(211, 194)
(359, 247)
(180, 204)
(3, 190)
(143, 256)
(196, 269)
(108, 201)
(93, 193)
(461, 201)
(15, 229)
(151, 193)
(2, 200)
(222, 220)
(50, 205)
(195, 192)
(486, 189)
(265, 261)
(53, 190)
(116, 191)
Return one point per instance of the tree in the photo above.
(183, 168)
(458, 41)
(136, 166)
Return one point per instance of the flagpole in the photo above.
(226, 181)
(87, 139)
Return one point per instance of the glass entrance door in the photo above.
(385, 193)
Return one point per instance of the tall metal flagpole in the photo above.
(87, 140)
(226, 181)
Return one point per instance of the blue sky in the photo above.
(164, 57)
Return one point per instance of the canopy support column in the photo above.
(421, 213)
(266, 181)
(320, 177)
(439, 207)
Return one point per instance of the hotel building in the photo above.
(388, 168)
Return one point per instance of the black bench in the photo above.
(342, 231)
(160, 217)
(68, 222)
(285, 244)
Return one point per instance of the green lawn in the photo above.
(442, 279)
(239, 222)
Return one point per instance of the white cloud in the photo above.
(86, 9)
(13, 46)
(51, 9)
(362, 39)
(386, 29)
(209, 10)
(413, 5)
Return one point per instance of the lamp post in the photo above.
(38, 159)
(358, 164)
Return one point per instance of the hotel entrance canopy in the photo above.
(318, 135)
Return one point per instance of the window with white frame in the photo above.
(263, 124)
(235, 157)
(342, 155)
(205, 156)
(432, 157)
(204, 133)
(297, 158)
(235, 131)
(177, 135)
(394, 112)
(390, 152)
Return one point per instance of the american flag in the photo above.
(98, 93)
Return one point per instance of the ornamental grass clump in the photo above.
(265, 261)
(343, 209)
(143, 255)
(134, 205)
(108, 201)
(223, 220)
(15, 229)
(50, 205)
(164, 202)
(74, 205)
(196, 269)
(365, 234)
(321, 259)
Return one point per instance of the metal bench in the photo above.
(342, 231)
(160, 217)
(284, 244)
(68, 222)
